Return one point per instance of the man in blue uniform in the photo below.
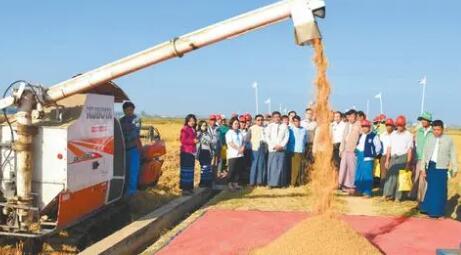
(131, 126)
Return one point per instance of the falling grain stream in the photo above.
(324, 233)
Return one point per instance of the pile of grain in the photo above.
(319, 235)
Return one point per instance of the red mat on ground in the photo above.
(231, 232)
(238, 232)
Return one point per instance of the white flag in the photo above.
(268, 101)
(423, 81)
(379, 95)
(254, 85)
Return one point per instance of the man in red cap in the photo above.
(385, 140)
(219, 119)
(368, 148)
(399, 156)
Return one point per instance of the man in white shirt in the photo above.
(399, 156)
(385, 140)
(337, 129)
(310, 125)
(277, 138)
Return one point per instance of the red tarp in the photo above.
(237, 232)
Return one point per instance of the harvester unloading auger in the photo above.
(67, 148)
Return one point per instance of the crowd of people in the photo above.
(371, 157)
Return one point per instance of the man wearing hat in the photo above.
(421, 137)
(399, 156)
(346, 180)
(376, 124)
(368, 148)
(380, 126)
(386, 141)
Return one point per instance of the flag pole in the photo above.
(255, 86)
(380, 96)
(423, 82)
(269, 104)
(368, 107)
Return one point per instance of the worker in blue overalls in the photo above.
(131, 126)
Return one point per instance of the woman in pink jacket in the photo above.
(188, 140)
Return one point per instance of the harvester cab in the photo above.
(62, 156)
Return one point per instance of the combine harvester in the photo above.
(63, 155)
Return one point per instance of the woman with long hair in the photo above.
(205, 150)
(188, 139)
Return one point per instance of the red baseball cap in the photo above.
(248, 117)
(365, 123)
(401, 121)
(242, 118)
(390, 122)
(213, 117)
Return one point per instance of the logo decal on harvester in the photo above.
(96, 146)
(99, 113)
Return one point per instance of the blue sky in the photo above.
(372, 46)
